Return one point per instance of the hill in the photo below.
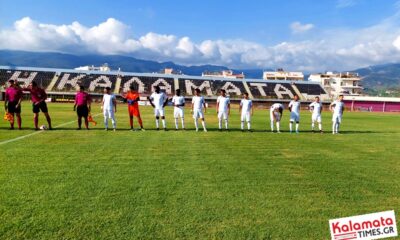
(128, 64)
(381, 80)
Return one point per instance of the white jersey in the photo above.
(295, 106)
(223, 103)
(198, 102)
(158, 100)
(178, 100)
(337, 107)
(316, 108)
(276, 106)
(108, 103)
(246, 105)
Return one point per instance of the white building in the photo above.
(223, 74)
(103, 68)
(339, 83)
(280, 74)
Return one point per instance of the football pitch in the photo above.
(96, 184)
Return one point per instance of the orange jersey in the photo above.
(133, 96)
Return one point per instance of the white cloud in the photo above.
(330, 49)
(297, 27)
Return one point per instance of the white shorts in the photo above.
(223, 115)
(277, 116)
(159, 112)
(337, 118)
(108, 113)
(316, 118)
(198, 113)
(246, 116)
(294, 117)
(178, 112)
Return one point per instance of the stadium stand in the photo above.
(94, 83)
(311, 89)
(43, 78)
(271, 90)
(144, 84)
(211, 87)
(64, 82)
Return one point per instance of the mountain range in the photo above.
(127, 64)
(377, 80)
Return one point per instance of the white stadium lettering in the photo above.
(163, 85)
(282, 92)
(132, 81)
(100, 82)
(231, 88)
(66, 81)
(190, 86)
(260, 88)
(25, 80)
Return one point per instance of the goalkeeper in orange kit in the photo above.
(132, 98)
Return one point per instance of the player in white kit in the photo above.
(275, 115)
(158, 100)
(294, 108)
(109, 106)
(223, 109)
(316, 109)
(198, 104)
(246, 110)
(337, 108)
(179, 103)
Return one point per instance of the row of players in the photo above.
(159, 100)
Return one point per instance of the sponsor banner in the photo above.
(370, 226)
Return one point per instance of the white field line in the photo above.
(38, 132)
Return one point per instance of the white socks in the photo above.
(242, 125)
(157, 123)
(176, 123)
(335, 127)
(319, 126)
(106, 121)
(204, 126)
(220, 123)
(163, 123)
(114, 124)
(196, 123)
(291, 127)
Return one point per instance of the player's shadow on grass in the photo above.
(342, 132)
(201, 130)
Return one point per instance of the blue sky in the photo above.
(300, 35)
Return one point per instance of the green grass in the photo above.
(68, 184)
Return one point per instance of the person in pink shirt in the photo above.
(82, 106)
(12, 103)
(38, 97)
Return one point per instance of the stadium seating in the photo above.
(66, 82)
(25, 77)
(310, 89)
